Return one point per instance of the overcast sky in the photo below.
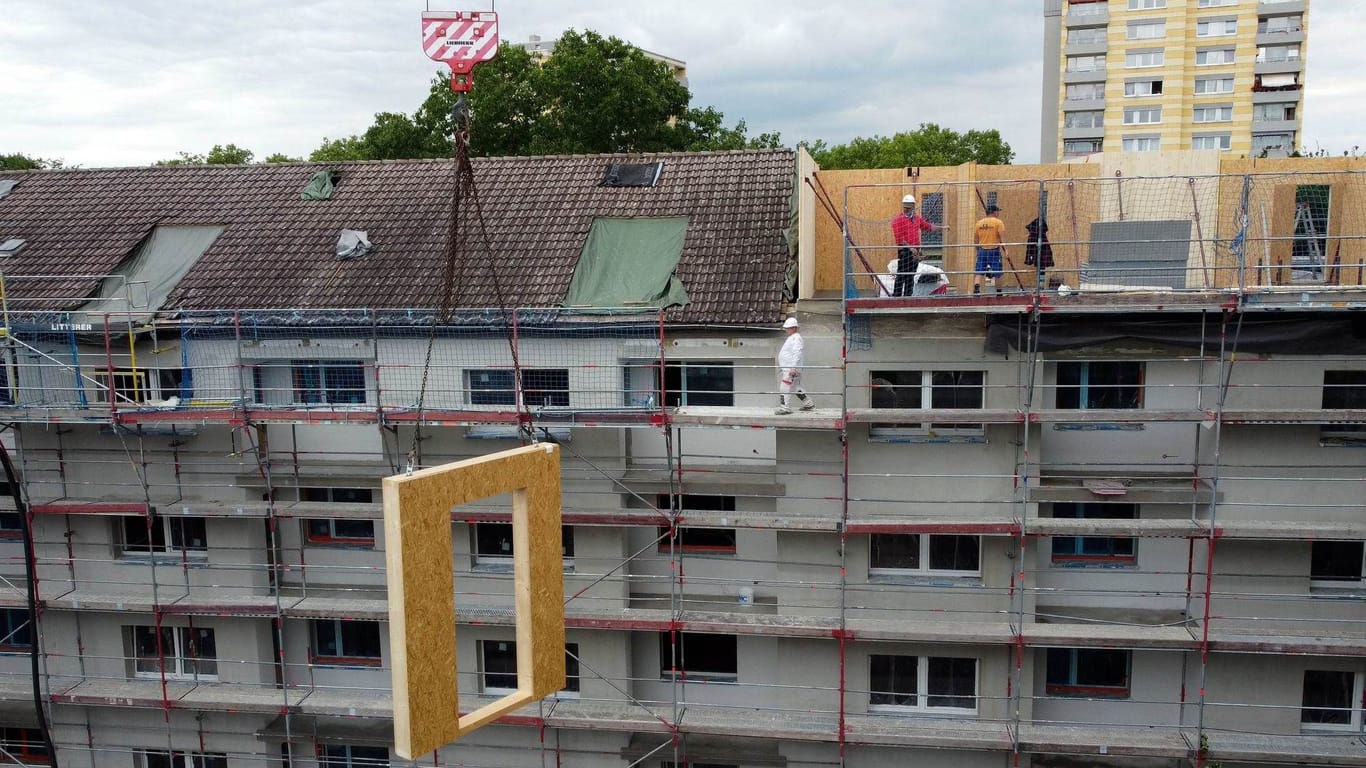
(101, 83)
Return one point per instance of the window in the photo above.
(700, 657)
(493, 544)
(1141, 144)
(694, 539)
(1281, 81)
(23, 745)
(127, 385)
(160, 534)
(1086, 36)
(541, 387)
(1146, 5)
(1211, 56)
(1086, 63)
(1220, 141)
(1309, 251)
(189, 653)
(343, 643)
(1331, 700)
(1280, 111)
(328, 382)
(1216, 28)
(927, 390)
(902, 553)
(1210, 85)
(1346, 390)
(1275, 53)
(940, 683)
(16, 633)
(1215, 3)
(159, 759)
(1143, 88)
(1217, 114)
(1147, 30)
(1337, 563)
(339, 532)
(1142, 115)
(11, 525)
(932, 210)
(1272, 142)
(498, 667)
(1095, 384)
(701, 383)
(343, 756)
(1279, 25)
(1084, 92)
(1091, 119)
(1087, 672)
(1094, 550)
(632, 174)
(1073, 148)
(1139, 59)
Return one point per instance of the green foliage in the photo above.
(221, 154)
(595, 94)
(21, 162)
(928, 145)
(280, 157)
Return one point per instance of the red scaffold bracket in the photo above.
(461, 39)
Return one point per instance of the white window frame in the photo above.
(1147, 5)
(924, 558)
(1224, 141)
(927, 428)
(1145, 59)
(1283, 106)
(1356, 721)
(1086, 36)
(1282, 26)
(1097, 61)
(1223, 113)
(1292, 53)
(922, 687)
(148, 758)
(1097, 145)
(1095, 118)
(177, 658)
(1211, 28)
(1146, 30)
(1141, 144)
(563, 693)
(1222, 83)
(496, 561)
(1136, 89)
(1142, 115)
(1215, 3)
(1097, 88)
(1341, 585)
(1226, 56)
(167, 525)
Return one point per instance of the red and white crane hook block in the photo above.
(461, 39)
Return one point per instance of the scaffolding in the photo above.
(145, 438)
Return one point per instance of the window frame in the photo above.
(1084, 386)
(1132, 115)
(497, 561)
(345, 657)
(1224, 140)
(26, 745)
(1073, 64)
(1145, 59)
(183, 657)
(573, 679)
(1078, 557)
(1134, 28)
(324, 389)
(1097, 91)
(510, 396)
(1221, 80)
(1076, 687)
(925, 391)
(1096, 145)
(11, 526)
(1199, 113)
(1230, 27)
(922, 693)
(165, 530)
(1147, 5)
(667, 670)
(1356, 722)
(1227, 56)
(923, 544)
(1343, 434)
(1319, 582)
(1141, 144)
(1132, 91)
(323, 532)
(181, 759)
(14, 626)
(345, 756)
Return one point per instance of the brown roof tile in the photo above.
(276, 250)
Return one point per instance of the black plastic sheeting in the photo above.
(1286, 334)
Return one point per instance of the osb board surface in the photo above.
(417, 515)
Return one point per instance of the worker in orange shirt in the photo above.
(989, 233)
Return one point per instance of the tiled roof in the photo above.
(276, 250)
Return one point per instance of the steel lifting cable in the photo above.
(462, 187)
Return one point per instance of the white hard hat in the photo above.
(791, 322)
(908, 200)
(892, 265)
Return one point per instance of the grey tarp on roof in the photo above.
(630, 263)
(142, 281)
(7, 186)
(319, 186)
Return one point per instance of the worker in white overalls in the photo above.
(791, 358)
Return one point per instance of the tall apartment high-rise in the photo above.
(1150, 75)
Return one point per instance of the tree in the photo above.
(928, 145)
(221, 154)
(339, 150)
(280, 157)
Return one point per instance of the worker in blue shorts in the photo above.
(989, 234)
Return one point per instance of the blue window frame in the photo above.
(16, 633)
(1082, 550)
(1098, 672)
(1113, 384)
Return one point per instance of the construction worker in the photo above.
(791, 358)
(989, 233)
(906, 230)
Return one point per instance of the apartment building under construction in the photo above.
(1109, 513)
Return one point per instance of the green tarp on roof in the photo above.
(630, 263)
